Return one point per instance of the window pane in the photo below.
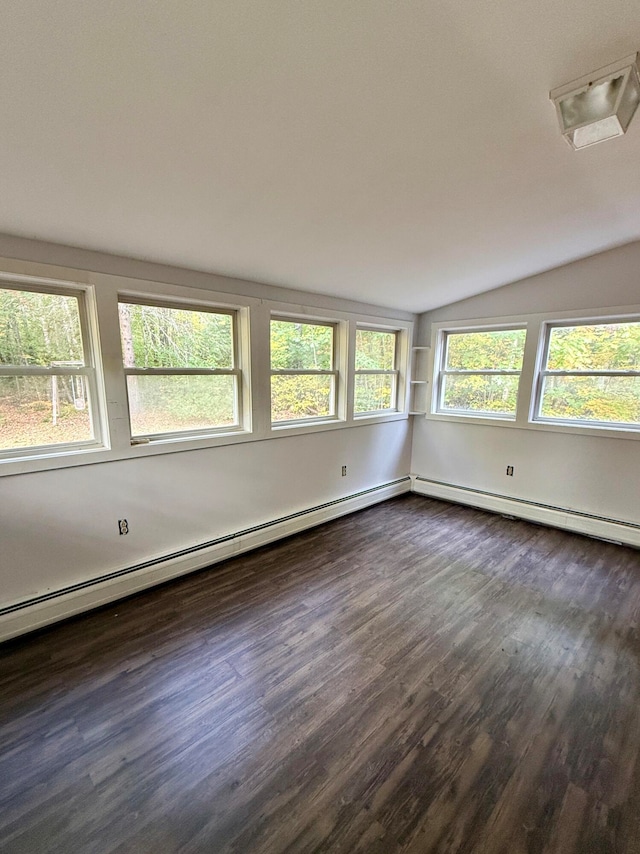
(491, 394)
(301, 346)
(297, 397)
(375, 350)
(600, 347)
(374, 392)
(608, 399)
(158, 337)
(39, 329)
(164, 404)
(43, 411)
(500, 350)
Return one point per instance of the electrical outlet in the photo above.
(344, 471)
(510, 471)
(123, 527)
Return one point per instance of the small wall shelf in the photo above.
(418, 382)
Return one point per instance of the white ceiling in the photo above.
(402, 152)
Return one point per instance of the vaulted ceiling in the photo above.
(401, 153)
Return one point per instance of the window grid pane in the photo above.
(375, 392)
(303, 379)
(594, 347)
(192, 384)
(501, 350)
(375, 350)
(44, 410)
(156, 336)
(490, 394)
(160, 404)
(301, 346)
(480, 372)
(598, 379)
(302, 397)
(40, 329)
(46, 383)
(376, 377)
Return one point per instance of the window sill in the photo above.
(124, 449)
(473, 419)
(190, 438)
(371, 416)
(585, 429)
(292, 428)
(539, 426)
(53, 459)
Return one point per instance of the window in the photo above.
(303, 373)
(591, 374)
(181, 369)
(376, 377)
(480, 372)
(47, 378)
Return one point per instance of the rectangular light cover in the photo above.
(597, 132)
(599, 106)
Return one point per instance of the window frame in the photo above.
(334, 372)
(90, 370)
(535, 323)
(542, 372)
(441, 371)
(254, 304)
(235, 371)
(394, 372)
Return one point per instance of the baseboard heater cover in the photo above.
(41, 610)
(602, 527)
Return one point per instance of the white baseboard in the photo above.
(30, 615)
(581, 523)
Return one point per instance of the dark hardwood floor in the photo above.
(416, 677)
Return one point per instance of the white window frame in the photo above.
(254, 305)
(542, 372)
(442, 371)
(90, 371)
(235, 371)
(535, 324)
(334, 372)
(394, 372)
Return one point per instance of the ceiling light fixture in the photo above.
(600, 105)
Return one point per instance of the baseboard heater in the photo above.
(602, 527)
(84, 595)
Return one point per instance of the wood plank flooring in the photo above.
(416, 677)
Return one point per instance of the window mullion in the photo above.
(488, 373)
(42, 371)
(283, 372)
(181, 372)
(581, 373)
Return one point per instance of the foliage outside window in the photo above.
(303, 374)
(47, 388)
(591, 374)
(376, 377)
(480, 372)
(180, 367)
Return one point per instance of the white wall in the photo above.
(59, 527)
(591, 474)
